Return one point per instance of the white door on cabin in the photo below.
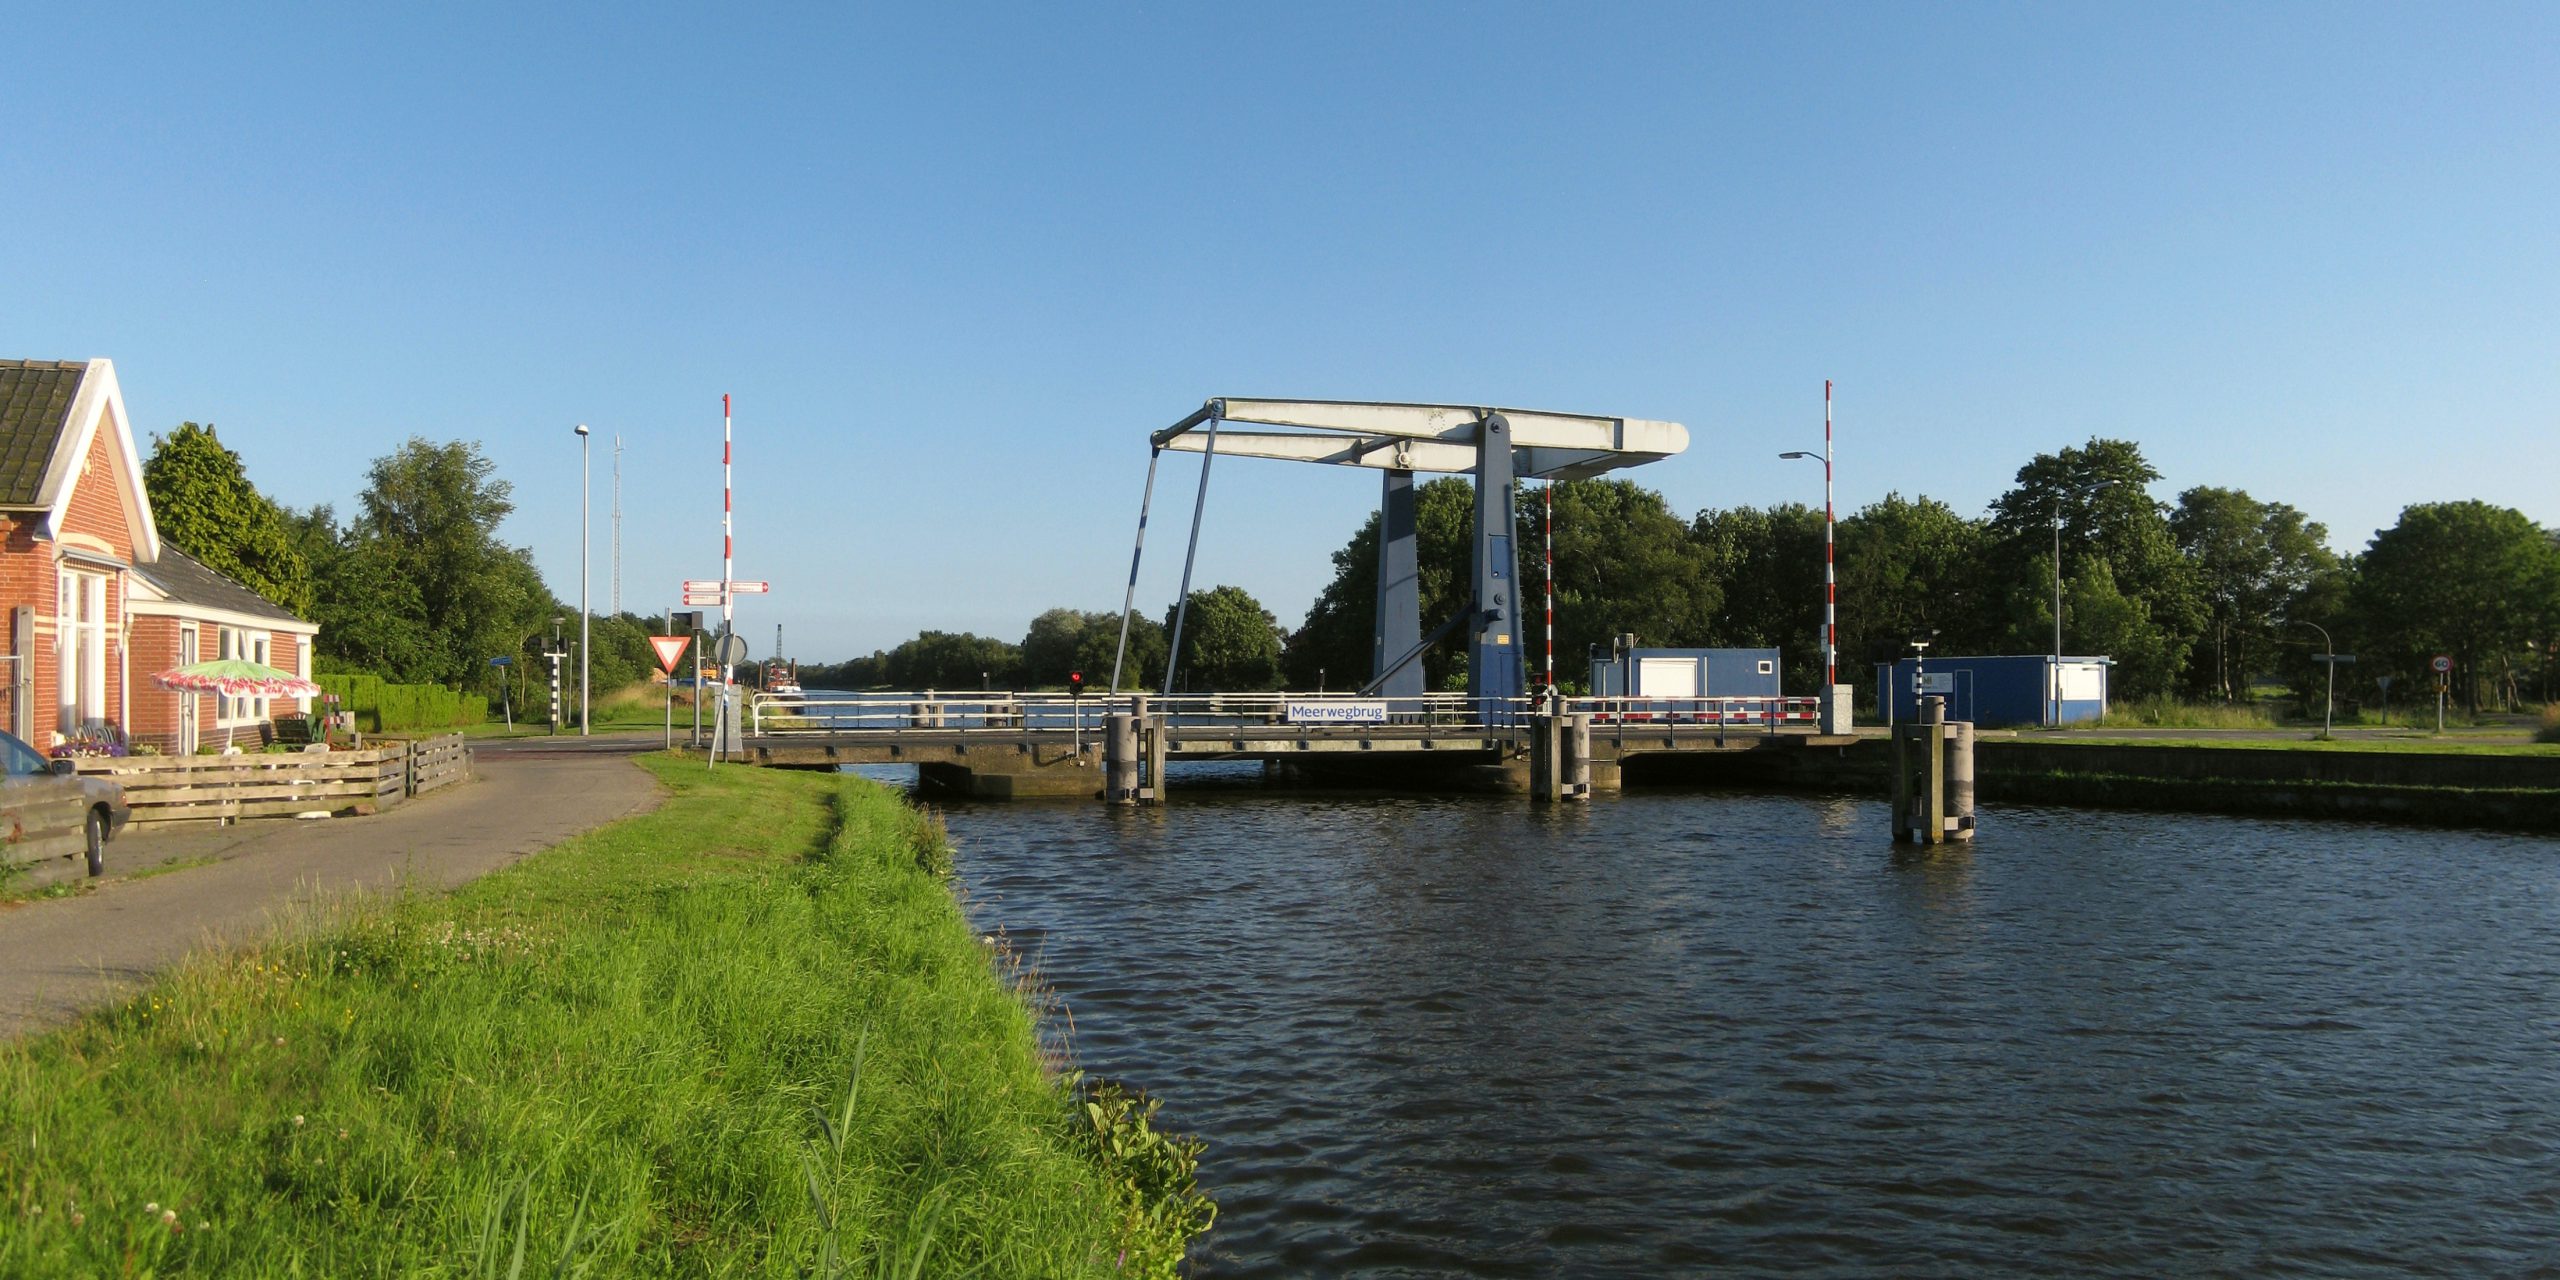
(190, 651)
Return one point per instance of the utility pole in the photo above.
(617, 522)
(586, 487)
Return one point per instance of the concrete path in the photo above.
(59, 956)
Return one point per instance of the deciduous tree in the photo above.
(203, 503)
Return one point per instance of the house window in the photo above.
(248, 646)
(81, 631)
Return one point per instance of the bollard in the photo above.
(1960, 780)
(1120, 758)
(1577, 756)
(1546, 767)
(1933, 776)
(1151, 746)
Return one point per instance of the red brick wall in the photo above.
(97, 505)
(26, 578)
(155, 710)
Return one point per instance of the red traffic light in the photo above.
(1075, 684)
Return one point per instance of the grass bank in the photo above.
(750, 1034)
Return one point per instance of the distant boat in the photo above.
(782, 683)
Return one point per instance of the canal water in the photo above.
(1734, 1033)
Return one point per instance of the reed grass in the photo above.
(2160, 712)
(749, 1034)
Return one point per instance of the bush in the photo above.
(2550, 730)
(380, 706)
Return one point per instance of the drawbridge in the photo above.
(1497, 447)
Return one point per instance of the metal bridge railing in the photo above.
(1747, 712)
(1006, 713)
(999, 713)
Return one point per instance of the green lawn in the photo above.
(749, 1034)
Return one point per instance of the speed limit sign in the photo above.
(2442, 664)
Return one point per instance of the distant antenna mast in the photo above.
(617, 522)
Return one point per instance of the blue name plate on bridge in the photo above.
(1337, 713)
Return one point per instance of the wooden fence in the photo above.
(283, 784)
(437, 762)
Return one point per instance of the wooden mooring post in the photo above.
(1933, 777)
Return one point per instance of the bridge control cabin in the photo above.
(2001, 692)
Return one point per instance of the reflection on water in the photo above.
(1681, 1034)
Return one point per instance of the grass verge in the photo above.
(749, 1034)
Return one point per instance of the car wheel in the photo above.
(97, 839)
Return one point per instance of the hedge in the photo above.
(381, 706)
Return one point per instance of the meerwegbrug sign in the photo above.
(1337, 712)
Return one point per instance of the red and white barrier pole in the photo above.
(1830, 560)
(1550, 540)
(728, 598)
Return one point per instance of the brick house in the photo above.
(93, 602)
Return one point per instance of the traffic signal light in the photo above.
(1075, 684)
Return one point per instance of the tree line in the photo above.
(2201, 597)
(414, 584)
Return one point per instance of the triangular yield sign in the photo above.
(669, 649)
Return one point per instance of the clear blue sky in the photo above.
(954, 268)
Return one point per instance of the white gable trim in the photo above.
(100, 400)
(139, 607)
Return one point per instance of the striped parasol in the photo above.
(236, 678)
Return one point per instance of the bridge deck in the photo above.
(1248, 742)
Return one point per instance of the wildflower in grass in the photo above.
(153, 1207)
(170, 1216)
(297, 1122)
(78, 1218)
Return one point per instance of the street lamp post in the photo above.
(586, 488)
(2330, 658)
(1830, 556)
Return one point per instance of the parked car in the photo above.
(49, 810)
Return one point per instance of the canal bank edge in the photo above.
(754, 1024)
(2496, 792)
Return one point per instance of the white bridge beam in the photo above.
(1427, 437)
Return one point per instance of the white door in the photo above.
(1667, 677)
(190, 651)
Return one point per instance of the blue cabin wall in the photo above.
(1722, 673)
(2000, 691)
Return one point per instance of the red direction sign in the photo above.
(751, 588)
(705, 597)
(702, 584)
(669, 649)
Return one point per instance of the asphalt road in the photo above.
(59, 956)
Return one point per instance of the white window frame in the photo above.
(251, 646)
(80, 644)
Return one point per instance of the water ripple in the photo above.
(1730, 1033)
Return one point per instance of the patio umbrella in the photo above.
(236, 678)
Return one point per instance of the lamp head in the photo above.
(1798, 453)
(582, 428)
